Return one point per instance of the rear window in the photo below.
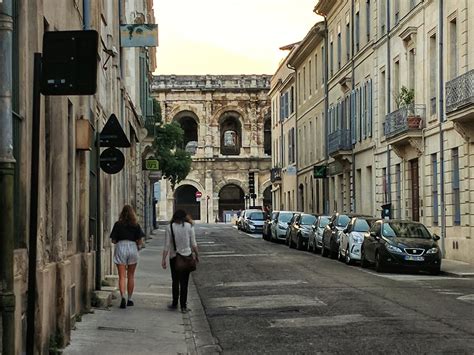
(361, 225)
(256, 216)
(308, 219)
(285, 217)
(323, 222)
(343, 220)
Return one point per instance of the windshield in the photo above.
(405, 230)
(307, 219)
(343, 220)
(323, 222)
(361, 225)
(285, 217)
(256, 216)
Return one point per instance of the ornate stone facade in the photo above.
(226, 120)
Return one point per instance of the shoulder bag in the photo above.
(183, 263)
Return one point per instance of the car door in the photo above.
(345, 236)
(371, 240)
(328, 230)
(295, 227)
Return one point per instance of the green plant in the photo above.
(56, 342)
(405, 98)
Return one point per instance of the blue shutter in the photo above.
(369, 122)
(363, 108)
(353, 128)
(359, 114)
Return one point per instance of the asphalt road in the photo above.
(262, 297)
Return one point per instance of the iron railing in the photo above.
(460, 91)
(409, 118)
(339, 140)
(275, 174)
(150, 125)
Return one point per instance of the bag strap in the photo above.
(172, 234)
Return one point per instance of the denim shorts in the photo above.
(126, 253)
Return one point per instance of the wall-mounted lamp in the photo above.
(112, 52)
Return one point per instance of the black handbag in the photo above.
(183, 263)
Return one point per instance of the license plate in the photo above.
(414, 258)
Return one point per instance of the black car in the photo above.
(300, 229)
(330, 242)
(401, 244)
(269, 219)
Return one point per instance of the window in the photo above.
(331, 58)
(434, 186)
(316, 83)
(433, 73)
(310, 74)
(455, 185)
(323, 65)
(348, 41)
(70, 172)
(396, 82)
(367, 19)
(396, 11)
(299, 87)
(411, 68)
(291, 146)
(339, 50)
(304, 83)
(230, 135)
(384, 184)
(292, 99)
(453, 49)
(357, 31)
(382, 15)
(398, 176)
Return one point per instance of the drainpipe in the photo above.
(441, 120)
(326, 113)
(98, 233)
(295, 148)
(389, 105)
(353, 169)
(7, 170)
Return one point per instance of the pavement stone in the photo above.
(148, 327)
(457, 268)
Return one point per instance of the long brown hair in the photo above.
(128, 216)
(180, 216)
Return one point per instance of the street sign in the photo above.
(112, 135)
(319, 171)
(112, 160)
(69, 64)
(152, 164)
(198, 194)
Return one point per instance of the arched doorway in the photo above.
(267, 197)
(231, 198)
(185, 199)
(188, 123)
(231, 134)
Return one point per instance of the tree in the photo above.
(175, 163)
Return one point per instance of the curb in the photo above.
(458, 274)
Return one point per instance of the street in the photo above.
(262, 297)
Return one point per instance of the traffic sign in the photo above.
(112, 160)
(198, 194)
(320, 171)
(152, 164)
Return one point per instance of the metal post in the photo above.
(441, 132)
(207, 209)
(30, 330)
(98, 239)
(7, 176)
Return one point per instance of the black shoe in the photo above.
(129, 303)
(185, 310)
(172, 306)
(123, 304)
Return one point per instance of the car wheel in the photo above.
(379, 265)
(334, 254)
(348, 259)
(363, 261)
(435, 271)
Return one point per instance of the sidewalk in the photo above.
(457, 268)
(148, 327)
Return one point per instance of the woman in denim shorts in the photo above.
(127, 237)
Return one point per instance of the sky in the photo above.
(228, 36)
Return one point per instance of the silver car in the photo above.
(351, 239)
(315, 240)
(253, 221)
(280, 225)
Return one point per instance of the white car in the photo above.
(253, 221)
(352, 237)
(280, 225)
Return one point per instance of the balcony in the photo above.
(275, 175)
(460, 103)
(339, 144)
(403, 129)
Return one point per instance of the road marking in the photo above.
(319, 321)
(467, 298)
(450, 293)
(402, 277)
(261, 283)
(239, 255)
(207, 253)
(264, 302)
(205, 242)
(151, 294)
(210, 245)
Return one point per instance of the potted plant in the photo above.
(406, 99)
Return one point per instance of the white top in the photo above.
(184, 237)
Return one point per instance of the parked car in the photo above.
(401, 244)
(316, 235)
(300, 229)
(267, 224)
(279, 225)
(330, 241)
(240, 219)
(253, 221)
(352, 237)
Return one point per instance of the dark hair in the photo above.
(128, 216)
(180, 216)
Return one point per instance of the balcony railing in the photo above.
(460, 92)
(150, 126)
(275, 174)
(339, 140)
(411, 117)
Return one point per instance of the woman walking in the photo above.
(180, 238)
(127, 235)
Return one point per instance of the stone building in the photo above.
(77, 202)
(399, 100)
(227, 125)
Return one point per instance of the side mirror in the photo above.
(436, 237)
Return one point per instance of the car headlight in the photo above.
(393, 248)
(432, 251)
